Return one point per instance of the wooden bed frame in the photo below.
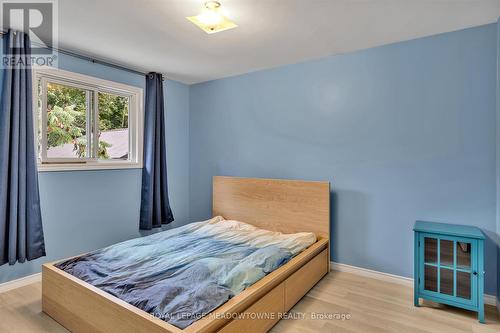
(280, 205)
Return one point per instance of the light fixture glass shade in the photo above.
(211, 19)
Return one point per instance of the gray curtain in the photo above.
(21, 234)
(155, 206)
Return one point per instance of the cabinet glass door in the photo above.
(447, 267)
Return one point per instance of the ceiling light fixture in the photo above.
(212, 19)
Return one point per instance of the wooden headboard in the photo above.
(274, 204)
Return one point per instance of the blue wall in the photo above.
(402, 132)
(86, 210)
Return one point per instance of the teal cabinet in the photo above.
(449, 265)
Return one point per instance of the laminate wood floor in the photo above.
(340, 302)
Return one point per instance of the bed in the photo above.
(286, 206)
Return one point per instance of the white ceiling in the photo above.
(153, 35)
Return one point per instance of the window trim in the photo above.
(136, 118)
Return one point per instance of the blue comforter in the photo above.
(181, 275)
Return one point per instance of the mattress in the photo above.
(182, 274)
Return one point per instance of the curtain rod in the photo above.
(89, 59)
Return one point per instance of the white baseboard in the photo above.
(488, 299)
(372, 274)
(24, 281)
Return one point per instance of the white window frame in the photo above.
(135, 118)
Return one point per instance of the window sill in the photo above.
(87, 167)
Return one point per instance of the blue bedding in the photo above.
(181, 275)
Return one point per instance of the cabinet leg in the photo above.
(416, 301)
(480, 316)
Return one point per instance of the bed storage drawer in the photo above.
(300, 282)
(261, 316)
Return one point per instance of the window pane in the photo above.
(463, 285)
(430, 278)
(446, 252)
(446, 281)
(66, 121)
(463, 255)
(430, 247)
(113, 126)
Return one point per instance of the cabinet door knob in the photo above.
(475, 273)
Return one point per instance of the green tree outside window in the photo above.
(66, 118)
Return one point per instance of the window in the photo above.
(86, 123)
